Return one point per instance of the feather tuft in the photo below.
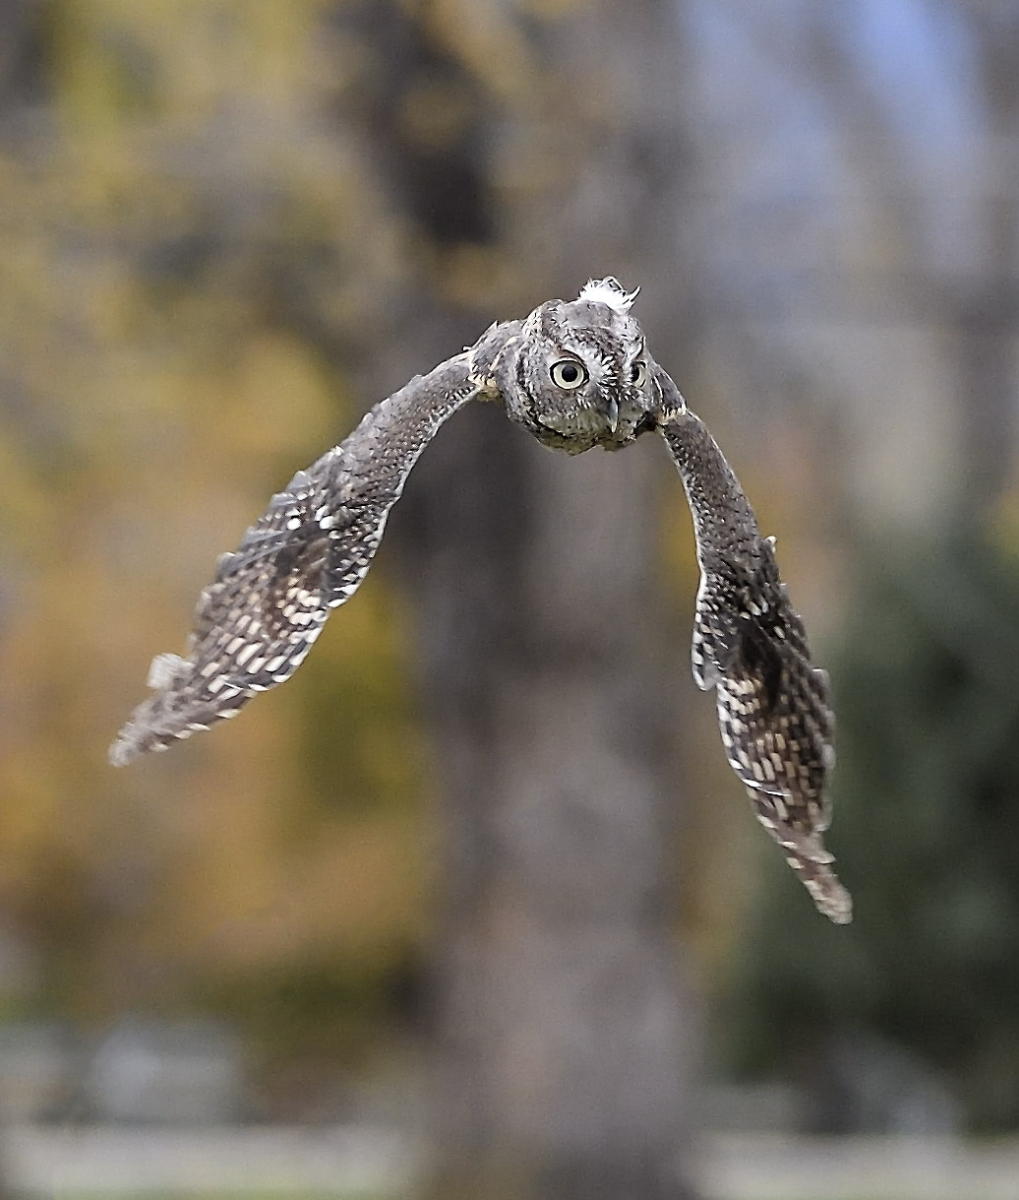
(609, 291)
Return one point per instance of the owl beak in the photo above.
(612, 415)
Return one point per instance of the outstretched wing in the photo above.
(774, 706)
(257, 620)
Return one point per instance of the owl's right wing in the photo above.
(257, 620)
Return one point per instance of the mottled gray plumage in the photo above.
(774, 707)
(257, 620)
(576, 375)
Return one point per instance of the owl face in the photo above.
(579, 375)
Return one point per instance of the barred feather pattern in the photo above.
(774, 706)
(256, 622)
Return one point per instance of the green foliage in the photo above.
(926, 830)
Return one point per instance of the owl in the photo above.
(575, 375)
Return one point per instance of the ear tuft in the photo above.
(609, 291)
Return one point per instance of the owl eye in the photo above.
(568, 374)
(638, 373)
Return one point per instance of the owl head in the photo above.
(577, 373)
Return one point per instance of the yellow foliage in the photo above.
(153, 400)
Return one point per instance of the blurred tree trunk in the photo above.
(985, 314)
(561, 1067)
(22, 83)
(977, 309)
(560, 1020)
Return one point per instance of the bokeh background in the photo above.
(473, 906)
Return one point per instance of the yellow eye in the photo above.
(568, 374)
(638, 373)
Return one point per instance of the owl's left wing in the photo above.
(774, 705)
(308, 553)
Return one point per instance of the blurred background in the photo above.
(474, 907)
